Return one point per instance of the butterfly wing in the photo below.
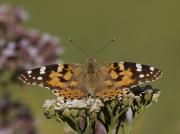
(128, 74)
(69, 80)
(64, 79)
(124, 75)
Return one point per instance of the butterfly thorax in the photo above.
(91, 77)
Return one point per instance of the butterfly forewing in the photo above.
(128, 74)
(58, 77)
(41, 76)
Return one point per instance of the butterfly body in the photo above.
(105, 80)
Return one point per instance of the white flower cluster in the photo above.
(115, 115)
(93, 104)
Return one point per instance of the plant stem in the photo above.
(136, 118)
(114, 119)
(91, 118)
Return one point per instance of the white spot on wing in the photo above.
(42, 70)
(141, 76)
(40, 78)
(139, 69)
(152, 68)
(29, 72)
(138, 65)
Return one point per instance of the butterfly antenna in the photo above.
(105, 46)
(77, 46)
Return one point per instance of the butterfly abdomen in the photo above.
(91, 77)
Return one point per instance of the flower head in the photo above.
(110, 115)
(15, 117)
(22, 48)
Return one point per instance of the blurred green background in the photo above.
(146, 31)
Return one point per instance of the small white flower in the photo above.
(49, 103)
(155, 97)
(76, 104)
(96, 105)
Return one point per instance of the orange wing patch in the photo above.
(121, 75)
(58, 79)
(68, 75)
(129, 74)
(55, 81)
(125, 81)
(73, 83)
(126, 78)
(113, 74)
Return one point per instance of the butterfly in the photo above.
(105, 81)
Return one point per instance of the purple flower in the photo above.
(22, 48)
(15, 117)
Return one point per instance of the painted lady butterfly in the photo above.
(105, 81)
